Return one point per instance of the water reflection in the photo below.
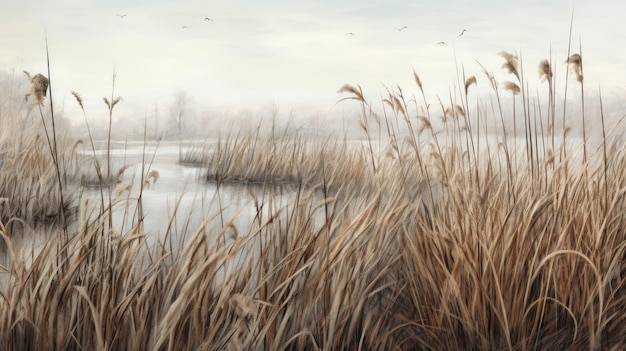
(181, 200)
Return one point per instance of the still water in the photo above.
(174, 206)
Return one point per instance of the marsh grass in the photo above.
(195, 157)
(30, 168)
(285, 159)
(434, 232)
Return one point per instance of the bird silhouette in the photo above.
(184, 27)
(120, 16)
(464, 30)
(350, 33)
(208, 19)
(441, 43)
(401, 29)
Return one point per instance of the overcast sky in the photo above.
(294, 53)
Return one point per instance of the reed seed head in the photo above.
(512, 87)
(79, 99)
(458, 110)
(418, 80)
(471, 80)
(38, 86)
(358, 93)
(425, 124)
(508, 56)
(115, 101)
(454, 112)
(576, 62)
(545, 71)
(154, 175)
(511, 63)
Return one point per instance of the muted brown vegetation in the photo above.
(28, 178)
(422, 235)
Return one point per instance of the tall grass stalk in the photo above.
(110, 105)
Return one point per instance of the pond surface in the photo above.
(175, 206)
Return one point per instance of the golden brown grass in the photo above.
(28, 175)
(286, 159)
(421, 236)
(377, 270)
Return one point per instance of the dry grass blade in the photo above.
(95, 316)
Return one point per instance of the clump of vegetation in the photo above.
(32, 157)
(284, 159)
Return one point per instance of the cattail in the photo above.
(510, 64)
(545, 71)
(512, 87)
(79, 99)
(38, 86)
(471, 80)
(577, 66)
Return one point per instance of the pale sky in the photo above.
(294, 54)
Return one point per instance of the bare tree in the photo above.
(179, 109)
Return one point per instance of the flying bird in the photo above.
(350, 33)
(208, 19)
(441, 43)
(464, 30)
(401, 29)
(184, 27)
(120, 16)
